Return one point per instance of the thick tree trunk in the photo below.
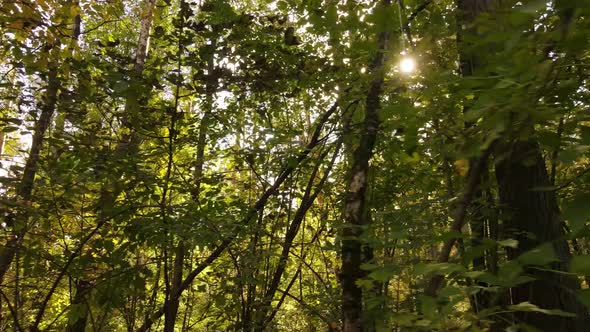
(531, 213)
(534, 217)
(354, 214)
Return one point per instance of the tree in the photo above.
(186, 165)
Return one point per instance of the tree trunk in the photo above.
(531, 213)
(307, 201)
(126, 145)
(180, 250)
(352, 247)
(286, 171)
(534, 217)
(17, 220)
(83, 287)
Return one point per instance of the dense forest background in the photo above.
(294, 165)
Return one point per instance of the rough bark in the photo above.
(535, 219)
(532, 214)
(353, 215)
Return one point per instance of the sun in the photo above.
(407, 65)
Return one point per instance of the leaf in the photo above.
(541, 256)
(584, 297)
(450, 291)
(384, 274)
(580, 265)
(577, 212)
(585, 135)
(509, 275)
(568, 156)
(9, 129)
(529, 307)
(404, 318)
(510, 243)
(438, 268)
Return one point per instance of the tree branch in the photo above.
(284, 174)
(460, 215)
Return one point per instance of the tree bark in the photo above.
(534, 217)
(531, 213)
(353, 215)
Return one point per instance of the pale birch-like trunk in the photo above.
(354, 209)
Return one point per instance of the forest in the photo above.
(294, 165)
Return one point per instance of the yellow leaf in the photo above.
(461, 166)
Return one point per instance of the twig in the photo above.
(12, 311)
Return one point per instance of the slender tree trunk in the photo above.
(79, 324)
(2, 139)
(125, 146)
(17, 220)
(83, 287)
(180, 251)
(477, 220)
(286, 171)
(352, 247)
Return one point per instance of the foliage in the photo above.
(224, 163)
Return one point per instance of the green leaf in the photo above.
(584, 297)
(577, 212)
(529, 307)
(580, 265)
(510, 243)
(585, 130)
(541, 256)
(404, 318)
(385, 273)
(438, 268)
